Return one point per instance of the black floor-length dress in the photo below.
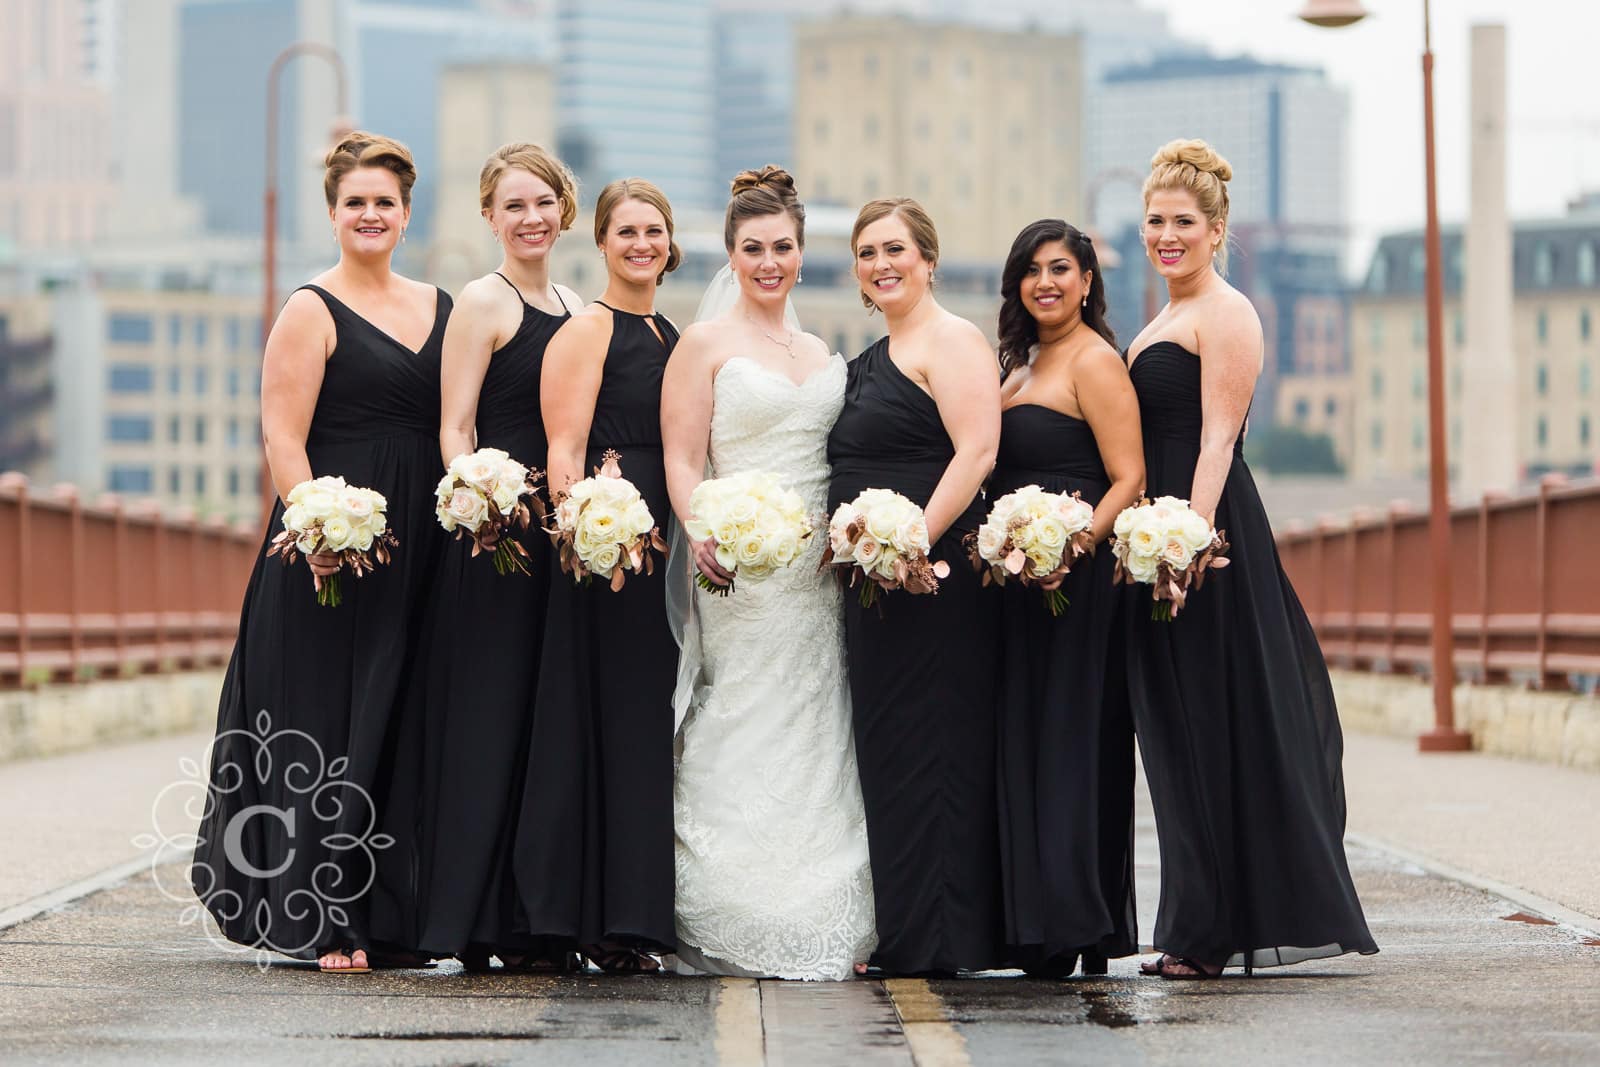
(472, 706)
(289, 844)
(1237, 725)
(1066, 734)
(922, 687)
(594, 860)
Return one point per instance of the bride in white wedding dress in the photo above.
(771, 852)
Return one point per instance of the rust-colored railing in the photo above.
(102, 589)
(1525, 587)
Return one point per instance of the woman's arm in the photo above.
(686, 406)
(569, 385)
(297, 352)
(470, 339)
(1111, 408)
(1230, 359)
(964, 379)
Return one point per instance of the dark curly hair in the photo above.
(1018, 331)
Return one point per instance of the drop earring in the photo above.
(799, 276)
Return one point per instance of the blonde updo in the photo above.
(758, 193)
(1195, 166)
(645, 192)
(537, 162)
(359, 148)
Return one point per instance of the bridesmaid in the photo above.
(923, 420)
(594, 844)
(348, 387)
(1070, 422)
(1231, 701)
(477, 705)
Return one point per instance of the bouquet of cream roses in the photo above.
(1033, 536)
(1169, 546)
(481, 496)
(603, 526)
(757, 524)
(326, 515)
(882, 537)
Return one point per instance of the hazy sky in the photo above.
(1554, 110)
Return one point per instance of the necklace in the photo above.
(786, 344)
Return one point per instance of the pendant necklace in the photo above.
(787, 345)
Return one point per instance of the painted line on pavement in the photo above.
(740, 1041)
(55, 898)
(934, 1040)
(1587, 925)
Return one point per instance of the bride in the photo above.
(772, 871)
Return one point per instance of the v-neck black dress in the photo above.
(594, 860)
(289, 844)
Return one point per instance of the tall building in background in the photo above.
(55, 176)
(754, 88)
(981, 126)
(636, 94)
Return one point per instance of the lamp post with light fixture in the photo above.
(1444, 737)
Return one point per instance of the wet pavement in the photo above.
(116, 977)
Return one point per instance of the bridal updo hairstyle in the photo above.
(1018, 331)
(362, 149)
(645, 192)
(758, 193)
(917, 222)
(1195, 166)
(537, 162)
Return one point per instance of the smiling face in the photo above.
(766, 258)
(526, 215)
(1178, 239)
(636, 243)
(368, 215)
(890, 268)
(1053, 287)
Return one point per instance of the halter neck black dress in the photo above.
(594, 859)
(1237, 725)
(473, 705)
(922, 688)
(305, 728)
(1066, 734)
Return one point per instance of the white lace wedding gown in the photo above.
(772, 868)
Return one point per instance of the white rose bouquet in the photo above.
(758, 525)
(1033, 536)
(882, 537)
(327, 515)
(603, 526)
(1169, 546)
(480, 496)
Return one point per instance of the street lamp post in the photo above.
(1444, 737)
(269, 207)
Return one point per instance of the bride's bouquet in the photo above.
(603, 526)
(758, 525)
(1169, 546)
(882, 537)
(481, 496)
(1033, 536)
(327, 515)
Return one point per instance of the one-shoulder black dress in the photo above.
(289, 844)
(473, 704)
(1066, 735)
(922, 686)
(1237, 725)
(594, 860)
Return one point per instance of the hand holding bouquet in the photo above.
(1036, 537)
(882, 537)
(346, 521)
(1169, 546)
(603, 526)
(481, 495)
(758, 525)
